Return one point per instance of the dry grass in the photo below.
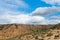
(28, 32)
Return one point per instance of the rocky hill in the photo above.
(27, 32)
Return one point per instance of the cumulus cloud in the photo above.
(4, 11)
(9, 15)
(12, 7)
(27, 19)
(52, 2)
(22, 19)
(44, 11)
(13, 4)
(55, 19)
(41, 11)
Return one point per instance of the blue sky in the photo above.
(30, 11)
(35, 4)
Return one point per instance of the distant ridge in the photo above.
(13, 30)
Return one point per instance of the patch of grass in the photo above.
(56, 36)
(49, 34)
(54, 27)
(41, 39)
(1, 27)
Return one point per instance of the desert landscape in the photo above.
(29, 32)
(29, 19)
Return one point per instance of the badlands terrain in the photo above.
(29, 32)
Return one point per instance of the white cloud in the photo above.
(41, 11)
(13, 4)
(54, 19)
(21, 18)
(13, 7)
(8, 15)
(52, 2)
(44, 11)
(27, 19)
(4, 11)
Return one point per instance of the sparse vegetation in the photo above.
(49, 34)
(56, 36)
(54, 27)
(1, 27)
(41, 39)
(28, 32)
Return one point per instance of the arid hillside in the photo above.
(24, 32)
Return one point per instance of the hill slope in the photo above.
(21, 31)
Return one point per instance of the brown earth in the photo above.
(15, 31)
